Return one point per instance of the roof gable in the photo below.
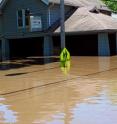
(67, 2)
(3, 3)
(45, 1)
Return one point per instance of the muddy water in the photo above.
(46, 94)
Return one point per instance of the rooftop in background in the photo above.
(80, 2)
(87, 21)
(69, 2)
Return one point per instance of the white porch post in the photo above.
(103, 44)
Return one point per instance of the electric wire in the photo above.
(52, 83)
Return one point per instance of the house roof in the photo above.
(80, 2)
(2, 3)
(67, 2)
(85, 21)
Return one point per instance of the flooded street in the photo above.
(37, 93)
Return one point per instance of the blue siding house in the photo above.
(31, 28)
(24, 22)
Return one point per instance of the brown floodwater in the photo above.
(32, 92)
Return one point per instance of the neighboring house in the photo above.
(27, 28)
(94, 32)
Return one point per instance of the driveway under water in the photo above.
(37, 93)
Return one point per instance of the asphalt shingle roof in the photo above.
(79, 2)
(83, 21)
(69, 2)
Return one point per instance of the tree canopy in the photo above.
(112, 4)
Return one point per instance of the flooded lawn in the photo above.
(37, 93)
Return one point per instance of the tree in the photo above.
(112, 4)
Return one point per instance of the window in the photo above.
(27, 17)
(23, 18)
(20, 18)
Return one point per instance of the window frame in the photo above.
(24, 26)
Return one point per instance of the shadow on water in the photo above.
(20, 63)
(15, 74)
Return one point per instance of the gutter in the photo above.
(87, 32)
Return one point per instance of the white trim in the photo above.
(23, 27)
(2, 3)
(23, 18)
(45, 1)
(49, 16)
(17, 19)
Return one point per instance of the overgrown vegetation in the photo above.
(112, 4)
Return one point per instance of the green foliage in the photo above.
(112, 4)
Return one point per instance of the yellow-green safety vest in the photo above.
(65, 55)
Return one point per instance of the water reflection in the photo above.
(54, 104)
(6, 115)
(29, 61)
(65, 67)
(112, 91)
(5, 65)
(102, 112)
(83, 100)
(104, 63)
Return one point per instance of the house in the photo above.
(93, 32)
(90, 30)
(28, 28)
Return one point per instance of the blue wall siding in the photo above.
(10, 11)
(0, 25)
(36, 7)
(55, 13)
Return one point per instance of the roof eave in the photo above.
(88, 32)
(2, 4)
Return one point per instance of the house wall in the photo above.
(0, 25)
(54, 13)
(36, 7)
(49, 14)
(15, 40)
